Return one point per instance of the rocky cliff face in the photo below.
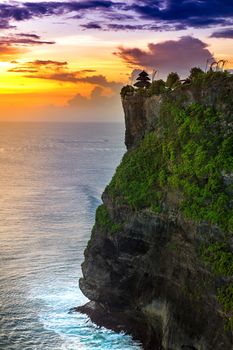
(159, 264)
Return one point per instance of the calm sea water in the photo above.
(51, 180)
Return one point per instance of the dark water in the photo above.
(51, 179)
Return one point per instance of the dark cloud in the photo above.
(28, 35)
(173, 55)
(87, 70)
(180, 14)
(224, 33)
(71, 77)
(29, 10)
(4, 24)
(38, 65)
(129, 15)
(86, 5)
(132, 27)
(92, 25)
(150, 27)
(48, 63)
(120, 17)
(76, 77)
(101, 81)
(24, 39)
(190, 13)
(12, 45)
(22, 70)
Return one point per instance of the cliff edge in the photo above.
(159, 264)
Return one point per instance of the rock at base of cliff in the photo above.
(119, 321)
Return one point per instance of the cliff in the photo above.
(159, 264)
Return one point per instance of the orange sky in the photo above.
(48, 62)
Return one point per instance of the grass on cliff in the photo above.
(104, 220)
(225, 298)
(135, 181)
(219, 257)
(188, 154)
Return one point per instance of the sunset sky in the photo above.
(66, 61)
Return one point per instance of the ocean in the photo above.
(51, 179)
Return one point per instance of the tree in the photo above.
(143, 80)
(195, 72)
(157, 87)
(127, 90)
(172, 80)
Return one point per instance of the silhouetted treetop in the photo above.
(143, 80)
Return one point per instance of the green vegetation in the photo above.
(188, 157)
(196, 150)
(158, 87)
(104, 220)
(197, 78)
(135, 181)
(225, 298)
(219, 257)
(172, 80)
(209, 77)
(195, 73)
(128, 89)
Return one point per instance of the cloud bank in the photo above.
(95, 108)
(155, 15)
(11, 45)
(172, 55)
(59, 71)
(223, 33)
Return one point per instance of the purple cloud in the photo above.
(29, 10)
(172, 55)
(191, 13)
(91, 25)
(28, 35)
(116, 15)
(149, 27)
(4, 24)
(12, 45)
(224, 33)
(77, 77)
(27, 39)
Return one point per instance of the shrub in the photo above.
(225, 298)
(189, 155)
(172, 80)
(195, 73)
(157, 87)
(128, 89)
(219, 257)
(104, 220)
